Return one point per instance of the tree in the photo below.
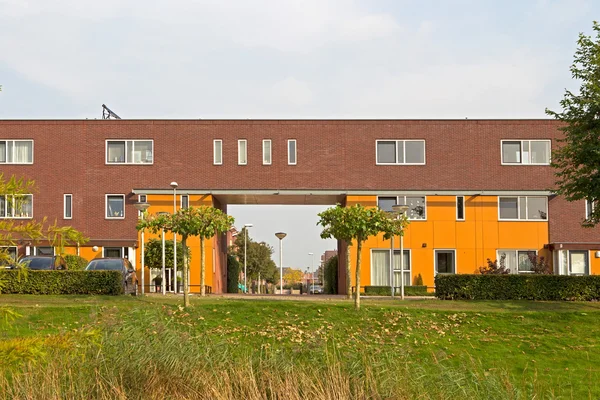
(359, 223)
(153, 253)
(204, 222)
(331, 276)
(258, 257)
(578, 156)
(292, 276)
(14, 193)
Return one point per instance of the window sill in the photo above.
(522, 220)
(525, 165)
(114, 217)
(125, 163)
(396, 164)
(16, 217)
(16, 163)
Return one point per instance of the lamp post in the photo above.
(163, 281)
(400, 209)
(142, 207)
(174, 283)
(312, 276)
(246, 226)
(280, 236)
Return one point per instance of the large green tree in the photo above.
(259, 259)
(204, 222)
(359, 223)
(577, 159)
(153, 253)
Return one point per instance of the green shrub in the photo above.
(61, 282)
(233, 273)
(331, 276)
(418, 280)
(76, 263)
(387, 290)
(517, 287)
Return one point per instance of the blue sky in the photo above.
(288, 59)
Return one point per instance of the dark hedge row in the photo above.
(386, 291)
(517, 287)
(61, 282)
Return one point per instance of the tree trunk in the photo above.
(348, 277)
(186, 296)
(357, 298)
(202, 269)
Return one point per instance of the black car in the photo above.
(43, 263)
(130, 281)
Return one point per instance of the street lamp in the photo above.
(246, 226)
(400, 209)
(163, 281)
(174, 284)
(312, 267)
(280, 236)
(142, 207)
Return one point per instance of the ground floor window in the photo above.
(517, 261)
(573, 262)
(9, 253)
(43, 251)
(445, 261)
(116, 252)
(380, 268)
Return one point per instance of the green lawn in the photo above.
(294, 349)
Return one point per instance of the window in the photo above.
(516, 261)
(129, 151)
(460, 208)
(9, 254)
(397, 152)
(445, 261)
(416, 205)
(217, 152)
(115, 206)
(68, 203)
(185, 201)
(523, 208)
(292, 152)
(526, 152)
(113, 252)
(573, 262)
(142, 198)
(380, 268)
(242, 152)
(267, 152)
(16, 151)
(43, 251)
(16, 206)
(590, 206)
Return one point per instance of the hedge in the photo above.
(386, 291)
(517, 287)
(61, 282)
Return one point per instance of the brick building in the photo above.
(476, 189)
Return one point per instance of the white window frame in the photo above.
(396, 151)
(516, 251)
(240, 141)
(522, 141)
(403, 197)
(12, 247)
(35, 250)
(394, 270)
(126, 162)
(65, 196)
(106, 205)
(526, 209)
(142, 198)
(295, 151)
(566, 269)
(435, 272)
(220, 152)
(13, 155)
(187, 196)
(464, 209)
(6, 216)
(590, 206)
(265, 153)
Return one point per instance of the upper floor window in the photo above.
(416, 205)
(115, 206)
(523, 208)
(242, 152)
(217, 152)
(16, 206)
(129, 151)
(526, 152)
(460, 208)
(266, 152)
(590, 206)
(292, 152)
(400, 152)
(16, 151)
(68, 206)
(185, 201)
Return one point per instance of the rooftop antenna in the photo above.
(108, 114)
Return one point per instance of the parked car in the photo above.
(130, 280)
(316, 289)
(43, 263)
